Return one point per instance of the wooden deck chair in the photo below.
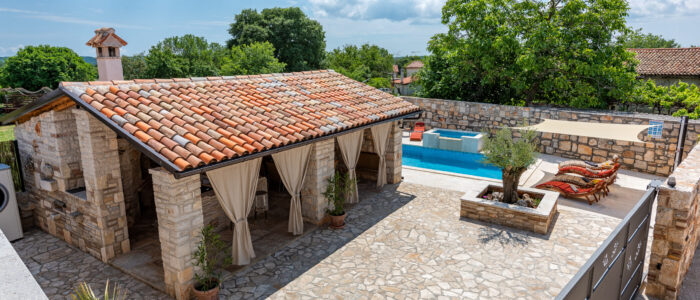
(608, 164)
(417, 133)
(570, 190)
(585, 172)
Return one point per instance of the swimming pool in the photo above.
(449, 161)
(453, 133)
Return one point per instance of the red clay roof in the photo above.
(201, 121)
(101, 35)
(406, 80)
(668, 61)
(416, 64)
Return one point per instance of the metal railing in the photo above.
(615, 270)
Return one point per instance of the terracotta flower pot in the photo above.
(338, 222)
(212, 294)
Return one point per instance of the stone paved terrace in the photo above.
(423, 249)
(59, 267)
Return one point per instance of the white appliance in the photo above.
(9, 212)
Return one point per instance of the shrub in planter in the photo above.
(513, 156)
(211, 255)
(340, 187)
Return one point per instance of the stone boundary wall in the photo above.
(655, 156)
(676, 232)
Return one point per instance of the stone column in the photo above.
(180, 222)
(393, 155)
(105, 222)
(321, 167)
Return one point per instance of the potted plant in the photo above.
(211, 255)
(339, 188)
(513, 157)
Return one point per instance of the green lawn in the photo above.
(7, 133)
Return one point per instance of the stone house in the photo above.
(667, 66)
(403, 79)
(102, 158)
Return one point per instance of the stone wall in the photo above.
(677, 229)
(90, 217)
(367, 166)
(214, 215)
(130, 168)
(655, 156)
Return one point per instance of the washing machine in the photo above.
(9, 211)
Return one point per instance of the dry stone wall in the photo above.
(654, 156)
(677, 229)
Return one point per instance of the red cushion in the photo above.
(564, 187)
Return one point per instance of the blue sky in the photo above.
(401, 26)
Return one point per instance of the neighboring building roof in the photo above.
(197, 122)
(101, 35)
(396, 68)
(416, 64)
(668, 61)
(406, 80)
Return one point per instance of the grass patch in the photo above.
(7, 133)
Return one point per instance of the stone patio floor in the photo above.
(59, 268)
(406, 241)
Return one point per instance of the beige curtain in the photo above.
(234, 186)
(291, 165)
(380, 138)
(350, 145)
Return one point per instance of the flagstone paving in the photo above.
(409, 242)
(59, 268)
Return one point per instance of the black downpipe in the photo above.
(681, 141)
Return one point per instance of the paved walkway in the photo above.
(690, 289)
(409, 242)
(59, 268)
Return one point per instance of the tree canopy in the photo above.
(134, 67)
(559, 52)
(682, 97)
(256, 58)
(35, 67)
(362, 63)
(639, 39)
(299, 42)
(184, 56)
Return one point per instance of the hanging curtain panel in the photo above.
(291, 165)
(380, 138)
(350, 145)
(234, 186)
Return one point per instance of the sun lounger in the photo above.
(608, 164)
(585, 172)
(417, 134)
(570, 190)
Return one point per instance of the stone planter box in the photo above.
(537, 220)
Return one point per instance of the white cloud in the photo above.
(63, 19)
(396, 10)
(663, 8)
(10, 51)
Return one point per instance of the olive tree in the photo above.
(512, 155)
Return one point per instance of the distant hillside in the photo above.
(88, 59)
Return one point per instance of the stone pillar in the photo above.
(59, 148)
(676, 231)
(180, 222)
(393, 155)
(321, 167)
(105, 224)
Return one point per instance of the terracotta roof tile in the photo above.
(668, 61)
(193, 122)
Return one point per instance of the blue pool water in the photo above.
(449, 161)
(454, 134)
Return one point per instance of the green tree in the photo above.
(35, 67)
(134, 66)
(512, 156)
(361, 63)
(256, 58)
(183, 56)
(299, 41)
(379, 82)
(638, 39)
(558, 52)
(681, 96)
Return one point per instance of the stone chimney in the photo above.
(109, 60)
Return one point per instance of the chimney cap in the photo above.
(102, 35)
